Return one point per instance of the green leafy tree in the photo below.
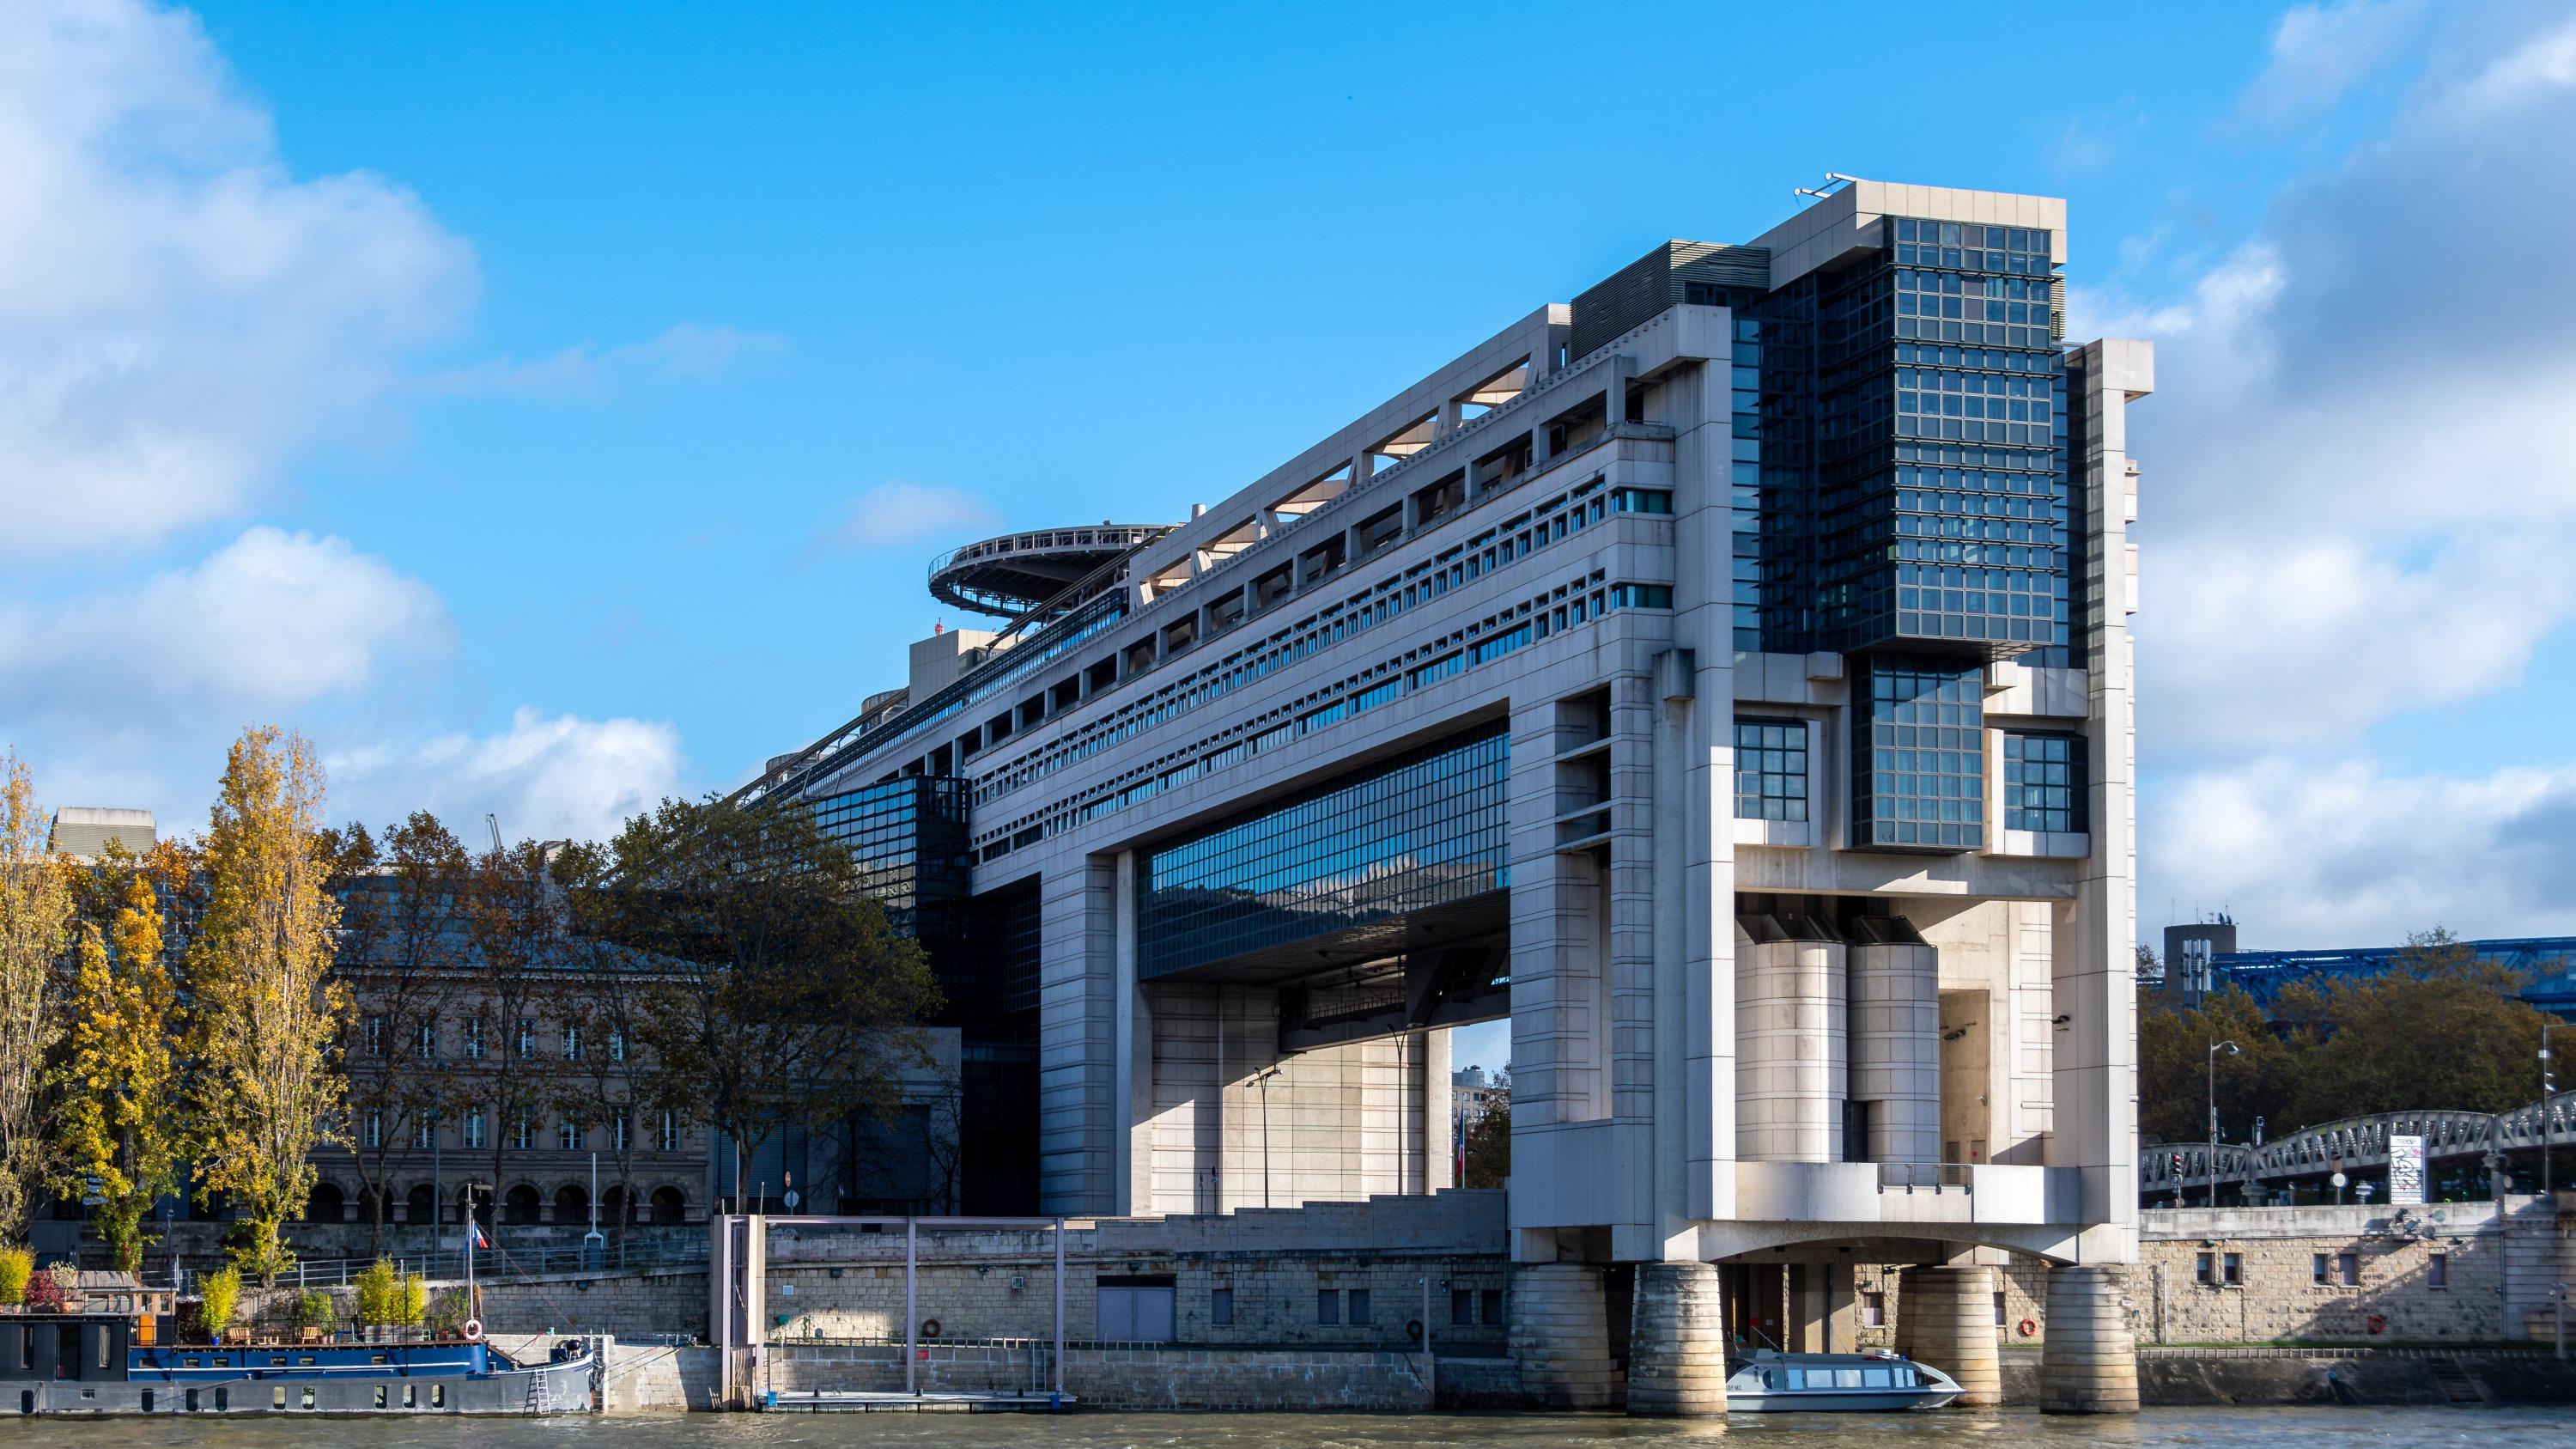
(122, 1073)
(217, 1296)
(35, 930)
(2441, 1029)
(1488, 1148)
(17, 1265)
(779, 994)
(266, 1011)
(2174, 1064)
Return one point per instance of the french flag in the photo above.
(474, 1235)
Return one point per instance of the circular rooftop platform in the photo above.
(1016, 572)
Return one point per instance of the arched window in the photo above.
(421, 1205)
(521, 1205)
(613, 1206)
(572, 1204)
(325, 1205)
(669, 1206)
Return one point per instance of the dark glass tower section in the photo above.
(910, 838)
(1902, 497)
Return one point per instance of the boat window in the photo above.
(1875, 1378)
(277, 1397)
(219, 1362)
(438, 1396)
(1905, 1378)
(1847, 1378)
(304, 1358)
(411, 1396)
(375, 1358)
(192, 1363)
(223, 1398)
(279, 1361)
(308, 1396)
(1797, 1378)
(380, 1396)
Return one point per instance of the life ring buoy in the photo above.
(471, 1328)
(2029, 1326)
(930, 1328)
(2379, 1323)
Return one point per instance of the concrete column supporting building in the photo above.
(1560, 1336)
(1677, 1342)
(1896, 1050)
(2089, 1365)
(1790, 1063)
(1946, 1318)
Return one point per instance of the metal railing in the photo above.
(504, 1264)
(1911, 1177)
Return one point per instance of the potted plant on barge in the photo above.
(217, 1296)
(57, 1289)
(17, 1265)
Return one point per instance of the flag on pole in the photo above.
(474, 1235)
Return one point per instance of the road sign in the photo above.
(2405, 1169)
(791, 1199)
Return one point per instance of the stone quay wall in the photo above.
(1132, 1377)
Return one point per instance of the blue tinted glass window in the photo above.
(2044, 782)
(1426, 830)
(1770, 769)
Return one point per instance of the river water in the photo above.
(2495, 1428)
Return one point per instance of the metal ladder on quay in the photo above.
(2458, 1384)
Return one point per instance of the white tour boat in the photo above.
(1778, 1383)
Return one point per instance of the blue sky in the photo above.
(488, 390)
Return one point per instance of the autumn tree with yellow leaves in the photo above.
(35, 926)
(120, 1129)
(266, 1014)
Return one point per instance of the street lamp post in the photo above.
(2215, 1048)
(2546, 1088)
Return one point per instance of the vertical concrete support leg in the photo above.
(1677, 1342)
(1948, 1318)
(2089, 1365)
(1560, 1337)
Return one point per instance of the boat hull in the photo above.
(1837, 1401)
(549, 1388)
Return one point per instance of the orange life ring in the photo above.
(2379, 1323)
(2029, 1326)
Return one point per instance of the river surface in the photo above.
(2489, 1428)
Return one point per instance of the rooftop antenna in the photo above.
(1834, 181)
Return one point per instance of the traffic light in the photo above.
(2177, 1164)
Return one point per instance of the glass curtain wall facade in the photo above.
(1902, 496)
(1427, 830)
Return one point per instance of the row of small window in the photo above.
(2342, 1270)
(2028, 603)
(1975, 555)
(1971, 244)
(223, 1398)
(1983, 530)
(570, 1134)
(1980, 505)
(424, 1040)
(1985, 628)
(1984, 359)
(1994, 329)
(1950, 284)
(2044, 784)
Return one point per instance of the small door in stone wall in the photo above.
(1135, 1310)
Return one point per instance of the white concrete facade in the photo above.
(1681, 1089)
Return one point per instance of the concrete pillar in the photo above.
(1946, 1318)
(1677, 1342)
(2089, 1363)
(1896, 1049)
(1560, 1337)
(1791, 1039)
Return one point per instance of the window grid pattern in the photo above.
(2044, 782)
(1918, 768)
(1425, 831)
(1770, 769)
(908, 837)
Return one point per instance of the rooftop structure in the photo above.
(1723, 676)
(86, 831)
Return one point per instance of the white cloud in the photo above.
(2357, 496)
(899, 514)
(2349, 853)
(177, 313)
(2321, 52)
(545, 777)
(689, 350)
(269, 622)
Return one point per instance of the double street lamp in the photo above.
(2215, 1048)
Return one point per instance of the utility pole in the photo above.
(2214, 1049)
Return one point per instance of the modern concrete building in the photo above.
(1725, 676)
(85, 832)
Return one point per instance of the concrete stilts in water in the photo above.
(1560, 1336)
(2089, 1364)
(1947, 1317)
(1677, 1341)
